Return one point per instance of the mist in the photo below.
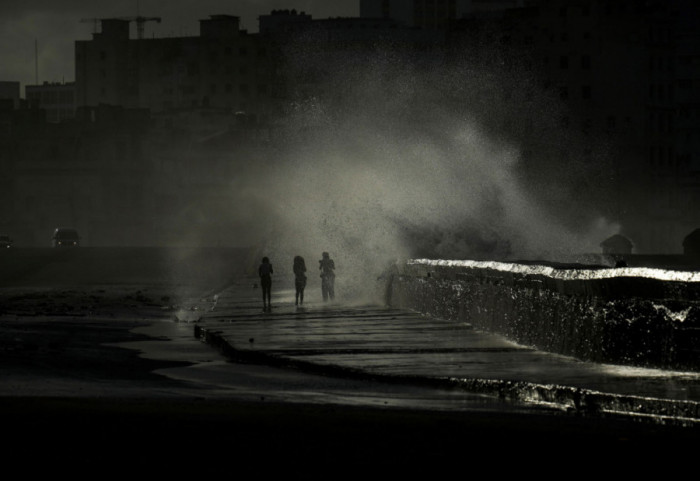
(387, 157)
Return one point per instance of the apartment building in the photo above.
(625, 72)
(224, 68)
(57, 99)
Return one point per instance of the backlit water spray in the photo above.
(382, 157)
(389, 159)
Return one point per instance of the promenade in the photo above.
(96, 374)
(368, 341)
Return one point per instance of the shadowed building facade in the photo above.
(624, 73)
(57, 99)
(223, 68)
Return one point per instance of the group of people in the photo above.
(326, 266)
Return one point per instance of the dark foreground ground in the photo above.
(220, 436)
(62, 338)
(44, 339)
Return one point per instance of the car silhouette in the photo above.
(5, 241)
(65, 237)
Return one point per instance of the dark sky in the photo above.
(55, 25)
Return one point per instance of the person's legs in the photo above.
(267, 287)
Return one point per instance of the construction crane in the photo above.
(140, 21)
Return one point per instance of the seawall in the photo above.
(636, 316)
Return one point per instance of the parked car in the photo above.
(65, 237)
(5, 241)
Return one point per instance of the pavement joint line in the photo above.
(317, 315)
(364, 323)
(323, 352)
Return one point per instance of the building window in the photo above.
(564, 62)
(586, 126)
(586, 62)
(586, 92)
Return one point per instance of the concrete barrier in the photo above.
(637, 316)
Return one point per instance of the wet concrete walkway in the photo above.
(374, 342)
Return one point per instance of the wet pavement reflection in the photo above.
(366, 354)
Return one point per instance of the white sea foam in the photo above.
(566, 274)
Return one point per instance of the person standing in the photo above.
(327, 268)
(299, 279)
(265, 273)
(388, 276)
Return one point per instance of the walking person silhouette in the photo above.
(327, 268)
(299, 279)
(265, 273)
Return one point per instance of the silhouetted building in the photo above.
(431, 13)
(57, 99)
(625, 71)
(281, 20)
(9, 94)
(309, 53)
(224, 68)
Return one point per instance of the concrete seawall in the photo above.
(635, 316)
